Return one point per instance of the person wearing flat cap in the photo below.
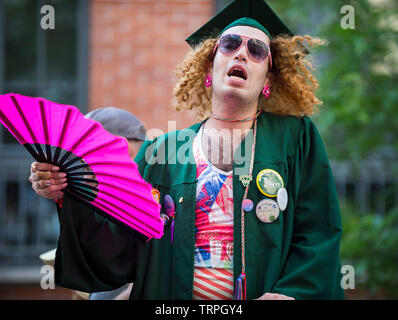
(122, 123)
(256, 209)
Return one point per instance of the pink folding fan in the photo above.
(100, 172)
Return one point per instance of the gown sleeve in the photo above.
(93, 253)
(312, 268)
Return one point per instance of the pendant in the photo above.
(245, 179)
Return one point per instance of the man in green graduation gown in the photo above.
(286, 218)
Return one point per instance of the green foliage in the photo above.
(359, 84)
(369, 243)
(357, 72)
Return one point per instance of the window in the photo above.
(50, 63)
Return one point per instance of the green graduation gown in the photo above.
(296, 255)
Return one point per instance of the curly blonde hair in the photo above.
(292, 85)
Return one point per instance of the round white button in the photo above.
(267, 210)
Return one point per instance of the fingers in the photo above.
(42, 166)
(45, 186)
(45, 175)
(283, 297)
(274, 296)
(47, 181)
(50, 182)
(49, 191)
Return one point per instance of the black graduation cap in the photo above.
(255, 9)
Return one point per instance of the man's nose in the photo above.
(241, 54)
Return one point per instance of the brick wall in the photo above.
(135, 46)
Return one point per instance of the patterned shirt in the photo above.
(213, 276)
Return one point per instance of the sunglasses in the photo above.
(256, 49)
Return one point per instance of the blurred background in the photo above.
(123, 53)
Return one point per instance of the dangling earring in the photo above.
(266, 91)
(208, 80)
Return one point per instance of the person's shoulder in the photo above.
(293, 131)
(294, 125)
(291, 121)
(283, 125)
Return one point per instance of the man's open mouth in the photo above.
(238, 72)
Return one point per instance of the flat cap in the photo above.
(119, 122)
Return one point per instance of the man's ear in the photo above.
(269, 80)
(132, 149)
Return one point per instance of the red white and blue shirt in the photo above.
(213, 273)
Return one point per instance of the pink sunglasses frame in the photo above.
(245, 39)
